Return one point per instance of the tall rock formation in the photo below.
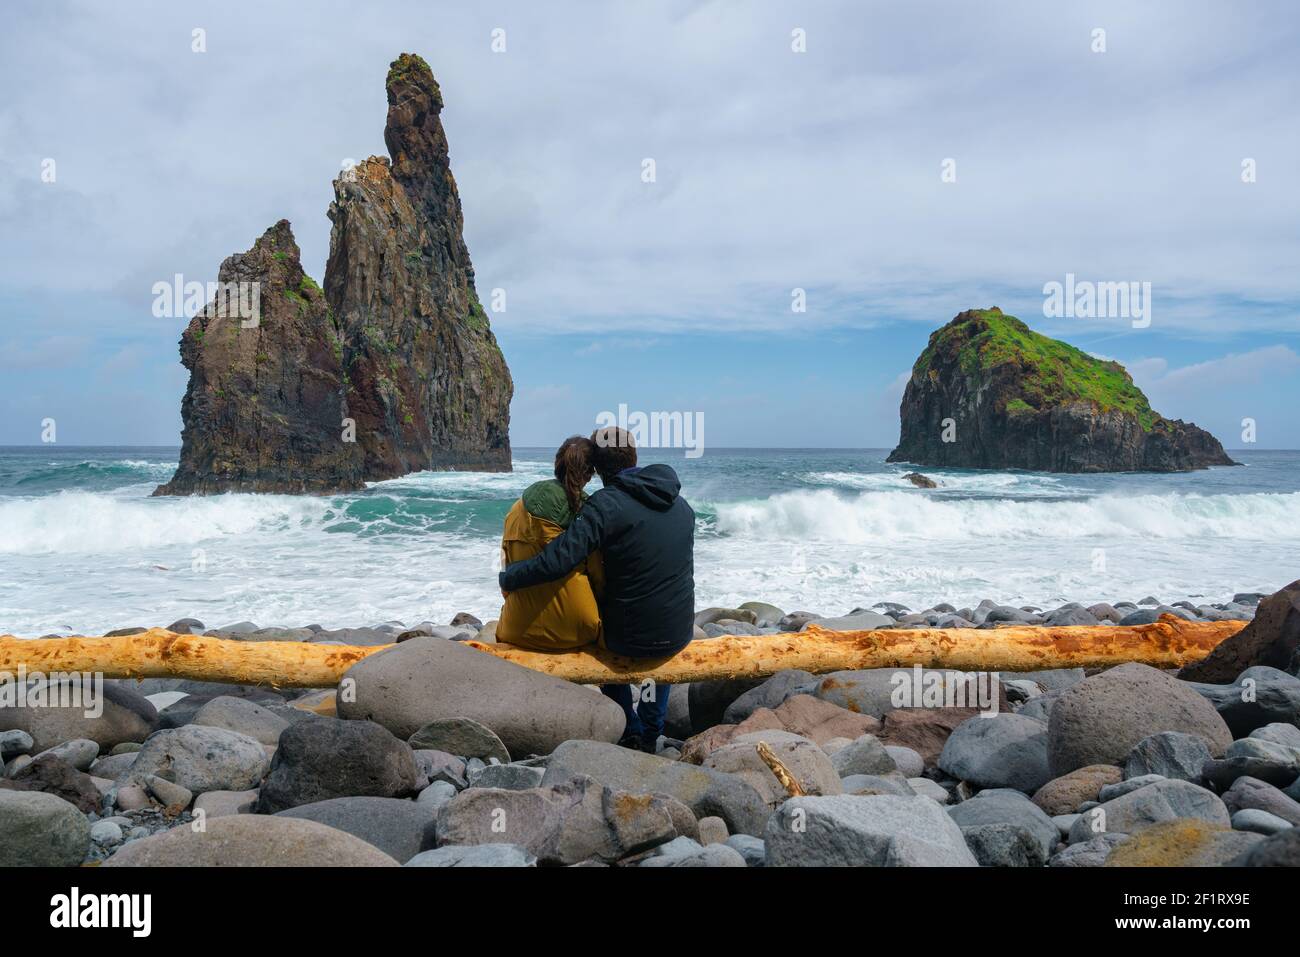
(430, 388)
(988, 392)
(266, 399)
(393, 368)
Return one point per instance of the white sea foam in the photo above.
(107, 523)
(825, 516)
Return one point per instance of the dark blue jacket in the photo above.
(645, 532)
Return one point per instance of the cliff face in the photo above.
(264, 408)
(397, 343)
(1018, 399)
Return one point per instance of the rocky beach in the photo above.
(432, 754)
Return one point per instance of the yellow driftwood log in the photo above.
(1169, 643)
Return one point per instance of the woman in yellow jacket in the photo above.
(559, 614)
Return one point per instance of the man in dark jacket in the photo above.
(645, 532)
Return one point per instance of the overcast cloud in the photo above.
(775, 170)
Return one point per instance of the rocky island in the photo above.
(391, 368)
(988, 392)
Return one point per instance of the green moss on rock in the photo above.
(1051, 372)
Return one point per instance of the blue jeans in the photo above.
(647, 721)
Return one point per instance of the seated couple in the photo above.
(614, 568)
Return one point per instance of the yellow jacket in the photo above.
(556, 615)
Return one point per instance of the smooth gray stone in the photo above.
(436, 794)
(399, 828)
(79, 752)
(866, 755)
(1090, 853)
(474, 855)
(251, 840)
(876, 831)
(463, 737)
(751, 848)
(1004, 845)
(41, 830)
(511, 777)
(1109, 792)
(1259, 822)
(770, 694)
(711, 855)
(1005, 806)
(14, 743)
(1004, 751)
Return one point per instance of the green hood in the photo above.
(546, 500)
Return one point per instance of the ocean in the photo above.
(84, 549)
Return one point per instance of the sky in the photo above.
(898, 163)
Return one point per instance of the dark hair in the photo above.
(612, 451)
(573, 468)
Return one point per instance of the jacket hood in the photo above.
(656, 486)
(546, 500)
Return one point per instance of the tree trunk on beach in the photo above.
(1169, 643)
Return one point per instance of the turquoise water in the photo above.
(84, 548)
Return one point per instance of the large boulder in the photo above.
(41, 830)
(250, 840)
(1182, 842)
(706, 792)
(563, 823)
(200, 759)
(326, 758)
(399, 828)
(73, 708)
(1101, 719)
(1002, 751)
(1271, 638)
(1137, 810)
(1260, 696)
(411, 684)
(881, 830)
(878, 691)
